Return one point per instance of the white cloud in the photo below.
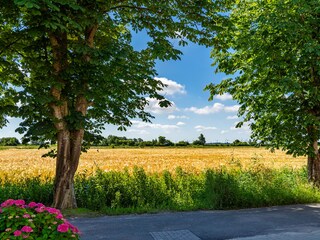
(233, 108)
(145, 125)
(216, 107)
(155, 108)
(171, 87)
(177, 117)
(139, 131)
(200, 128)
(180, 123)
(224, 131)
(232, 117)
(224, 97)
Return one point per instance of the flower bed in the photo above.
(19, 220)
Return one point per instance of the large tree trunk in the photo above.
(68, 155)
(314, 164)
(69, 149)
(69, 141)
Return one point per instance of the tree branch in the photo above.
(90, 33)
(9, 45)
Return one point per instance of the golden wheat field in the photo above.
(28, 162)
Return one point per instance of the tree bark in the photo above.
(68, 155)
(314, 165)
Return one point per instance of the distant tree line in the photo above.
(113, 141)
(237, 142)
(9, 141)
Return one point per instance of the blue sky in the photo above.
(191, 112)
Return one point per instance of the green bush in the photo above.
(34, 189)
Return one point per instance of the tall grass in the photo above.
(37, 189)
(126, 192)
(212, 189)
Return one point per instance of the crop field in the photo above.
(28, 162)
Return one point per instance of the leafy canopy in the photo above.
(114, 78)
(272, 48)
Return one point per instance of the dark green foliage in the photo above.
(162, 141)
(270, 52)
(182, 143)
(237, 142)
(200, 141)
(55, 52)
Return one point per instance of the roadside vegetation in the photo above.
(231, 184)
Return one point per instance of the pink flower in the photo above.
(53, 210)
(32, 204)
(17, 233)
(63, 227)
(7, 203)
(26, 216)
(26, 229)
(59, 216)
(0, 210)
(74, 229)
(40, 209)
(40, 205)
(19, 202)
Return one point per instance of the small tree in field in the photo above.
(67, 67)
(200, 141)
(273, 50)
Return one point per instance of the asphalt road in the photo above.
(275, 223)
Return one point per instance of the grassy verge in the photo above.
(138, 192)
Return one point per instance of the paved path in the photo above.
(276, 223)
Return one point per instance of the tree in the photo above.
(67, 67)
(236, 142)
(182, 144)
(9, 141)
(162, 141)
(272, 48)
(200, 141)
